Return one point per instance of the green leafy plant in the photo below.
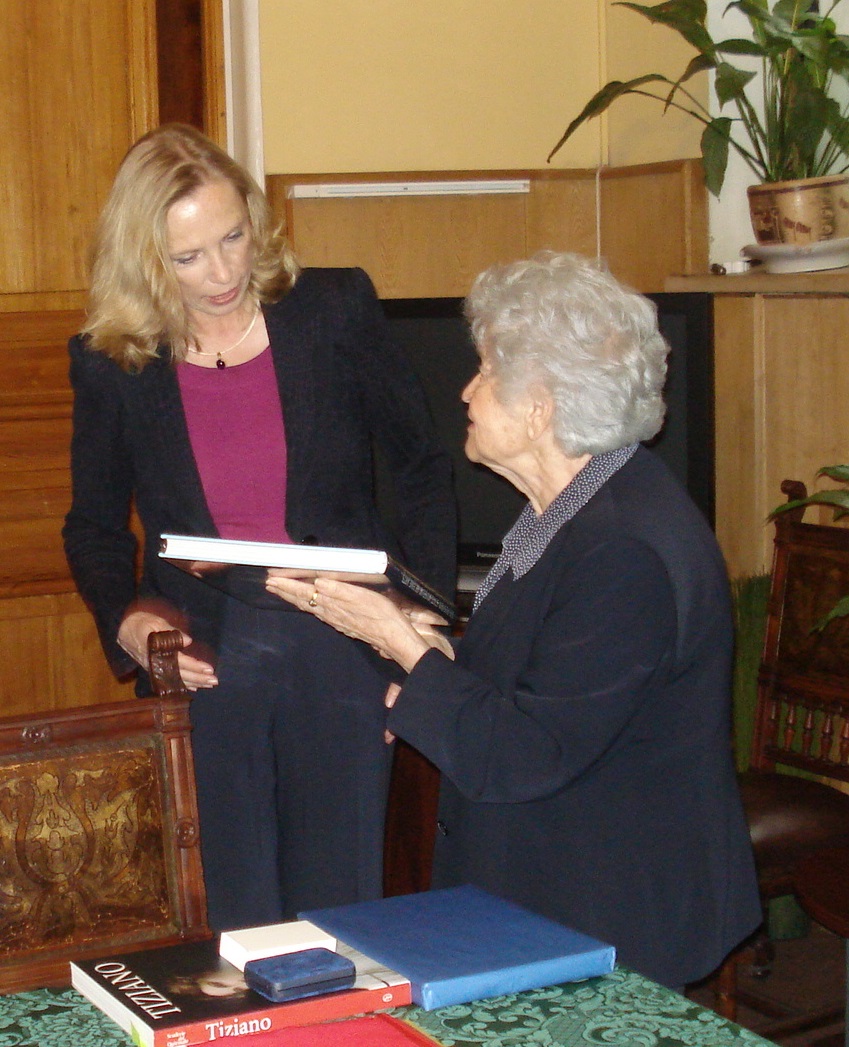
(800, 131)
(838, 499)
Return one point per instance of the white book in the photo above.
(239, 568)
(307, 558)
(273, 939)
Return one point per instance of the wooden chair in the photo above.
(822, 886)
(99, 837)
(801, 717)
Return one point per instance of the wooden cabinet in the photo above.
(782, 396)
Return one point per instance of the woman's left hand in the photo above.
(360, 613)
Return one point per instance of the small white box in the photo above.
(273, 939)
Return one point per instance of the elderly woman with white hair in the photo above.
(583, 730)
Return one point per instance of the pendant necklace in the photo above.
(219, 363)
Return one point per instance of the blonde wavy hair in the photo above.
(135, 303)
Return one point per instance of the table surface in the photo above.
(619, 1009)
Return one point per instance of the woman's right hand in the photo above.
(136, 627)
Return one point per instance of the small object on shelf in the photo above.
(741, 265)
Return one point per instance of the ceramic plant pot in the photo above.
(800, 212)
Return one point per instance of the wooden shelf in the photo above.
(829, 282)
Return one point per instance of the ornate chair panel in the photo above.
(99, 840)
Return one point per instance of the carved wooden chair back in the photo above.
(802, 715)
(99, 838)
(801, 720)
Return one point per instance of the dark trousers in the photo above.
(292, 770)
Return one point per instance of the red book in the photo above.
(187, 994)
(374, 1030)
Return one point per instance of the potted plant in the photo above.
(801, 130)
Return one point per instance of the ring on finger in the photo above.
(313, 600)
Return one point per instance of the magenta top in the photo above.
(236, 430)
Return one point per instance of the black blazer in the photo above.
(343, 384)
(584, 735)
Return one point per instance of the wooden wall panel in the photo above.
(561, 214)
(50, 657)
(806, 390)
(781, 391)
(418, 246)
(35, 429)
(77, 90)
(653, 225)
(738, 394)
(79, 86)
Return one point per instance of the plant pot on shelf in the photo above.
(801, 226)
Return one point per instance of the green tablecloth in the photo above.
(619, 1010)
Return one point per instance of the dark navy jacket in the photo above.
(584, 735)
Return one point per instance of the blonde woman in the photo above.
(224, 391)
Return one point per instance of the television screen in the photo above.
(435, 337)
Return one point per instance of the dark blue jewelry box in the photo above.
(308, 972)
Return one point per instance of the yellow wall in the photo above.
(639, 131)
(406, 85)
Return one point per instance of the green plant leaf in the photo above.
(686, 17)
(800, 130)
(838, 129)
(796, 12)
(736, 46)
(699, 64)
(731, 82)
(715, 138)
(840, 610)
(756, 11)
(804, 126)
(839, 500)
(835, 472)
(602, 99)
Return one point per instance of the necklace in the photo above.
(219, 363)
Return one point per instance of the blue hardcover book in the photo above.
(463, 944)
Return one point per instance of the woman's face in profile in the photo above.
(496, 433)
(210, 245)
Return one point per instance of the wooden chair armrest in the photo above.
(795, 491)
(162, 648)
